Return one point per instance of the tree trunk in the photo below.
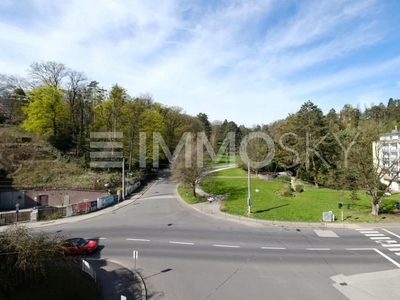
(375, 206)
(293, 182)
(315, 171)
(194, 190)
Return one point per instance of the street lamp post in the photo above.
(249, 190)
(123, 180)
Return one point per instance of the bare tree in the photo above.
(48, 73)
(185, 167)
(368, 165)
(76, 99)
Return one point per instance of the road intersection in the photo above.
(188, 254)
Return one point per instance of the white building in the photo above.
(386, 153)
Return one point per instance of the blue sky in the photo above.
(250, 61)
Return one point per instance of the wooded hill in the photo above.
(62, 107)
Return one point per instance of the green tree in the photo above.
(306, 133)
(206, 124)
(46, 112)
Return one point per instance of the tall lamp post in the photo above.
(123, 179)
(249, 189)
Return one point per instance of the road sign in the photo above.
(135, 254)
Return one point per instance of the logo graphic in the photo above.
(106, 150)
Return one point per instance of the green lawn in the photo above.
(187, 194)
(305, 207)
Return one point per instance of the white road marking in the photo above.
(138, 240)
(361, 229)
(102, 238)
(394, 249)
(318, 249)
(370, 231)
(181, 243)
(388, 258)
(227, 246)
(390, 242)
(398, 236)
(391, 245)
(380, 238)
(397, 253)
(374, 234)
(325, 233)
(359, 249)
(273, 248)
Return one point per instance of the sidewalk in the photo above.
(66, 220)
(115, 280)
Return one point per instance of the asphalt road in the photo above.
(186, 254)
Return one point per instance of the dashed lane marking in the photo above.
(181, 243)
(138, 240)
(273, 248)
(318, 249)
(227, 246)
(380, 238)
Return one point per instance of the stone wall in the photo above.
(52, 197)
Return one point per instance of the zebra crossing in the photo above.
(381, 238)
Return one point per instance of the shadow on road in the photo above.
(115, 281)
(161, 272)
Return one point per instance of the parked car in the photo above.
(79, 246)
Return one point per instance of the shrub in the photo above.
(287, 193)
(284, 178)
(299, 188)
(388, 206)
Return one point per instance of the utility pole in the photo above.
(123, 179)
(249, 189)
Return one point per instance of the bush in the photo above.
(53, 216)
(299, 188)
(388, 206)
(284, 178)
(288, 193)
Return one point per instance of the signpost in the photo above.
(17, 210)
(135, 258)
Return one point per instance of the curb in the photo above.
(143, 287)
(142, 284)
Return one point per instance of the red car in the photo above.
(79, 246)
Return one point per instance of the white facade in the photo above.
(386, 153)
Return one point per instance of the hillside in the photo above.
(26, 161)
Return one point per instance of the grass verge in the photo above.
(186, 194)
(307, 206)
